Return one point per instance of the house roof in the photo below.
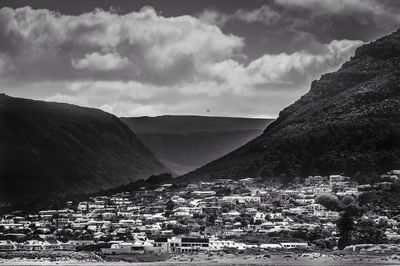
(161, 239)
(51, 241)
(198, 240)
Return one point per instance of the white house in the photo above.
(271, 246)
(241, 199)
(293, 245)
(319, 190)
(259, 216)
(200, 193)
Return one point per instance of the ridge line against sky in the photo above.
(149, 58)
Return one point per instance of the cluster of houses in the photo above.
(35, 245)
(186, 218)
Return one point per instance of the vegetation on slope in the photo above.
(349, 122)
(51, 149)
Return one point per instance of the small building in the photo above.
(327, 215)
(174, 244)
(221, 244)
(294, 245)
(336, 179)
(77, 243)
(124, 248)
(319, 190)
(31, 245)
(194, 244)
(314, 208)
(7, 245)
(241, 199)
(394, 172)
(271, 246)
(192, 187)
(315, 180)
(166, 186)
(200, 193)
(51, 244)
(259, 216)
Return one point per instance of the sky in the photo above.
(234, 58)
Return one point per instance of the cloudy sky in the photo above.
(245, 58)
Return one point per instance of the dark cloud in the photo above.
(275, 26)
(246, 59)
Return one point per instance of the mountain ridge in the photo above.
(193, 123)
(184, 143)
(54, 149)
(348, 122)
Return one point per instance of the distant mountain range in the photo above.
(184, 143)
(349, 122)
(52, 149)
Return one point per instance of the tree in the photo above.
(179, 230)
(345, 226)
(368, 232)
(170, 205)
(211, 220)
(157, 179)
(258, 222)
(244, 223)
(348, 200)
(31, 226)
(330, 202)
(169, 208)
(197, 215)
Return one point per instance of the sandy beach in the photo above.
(233, 259)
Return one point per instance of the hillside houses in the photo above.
(173, 218)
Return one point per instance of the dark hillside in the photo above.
(348, 122)
(53, 149)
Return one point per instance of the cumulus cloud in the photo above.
(273, 71)
(143, 44)
(278, 68)
(142, 63)
(98, 62)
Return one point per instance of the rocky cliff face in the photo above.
(51, 149)
(348, 122)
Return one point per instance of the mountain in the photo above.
(55, 149)
(349, 122)
(184, 143)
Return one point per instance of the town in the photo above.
(203, 216)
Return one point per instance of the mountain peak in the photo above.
(383, 48)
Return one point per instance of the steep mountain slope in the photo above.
(348, 122)
(184, 143)
(50, 149)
